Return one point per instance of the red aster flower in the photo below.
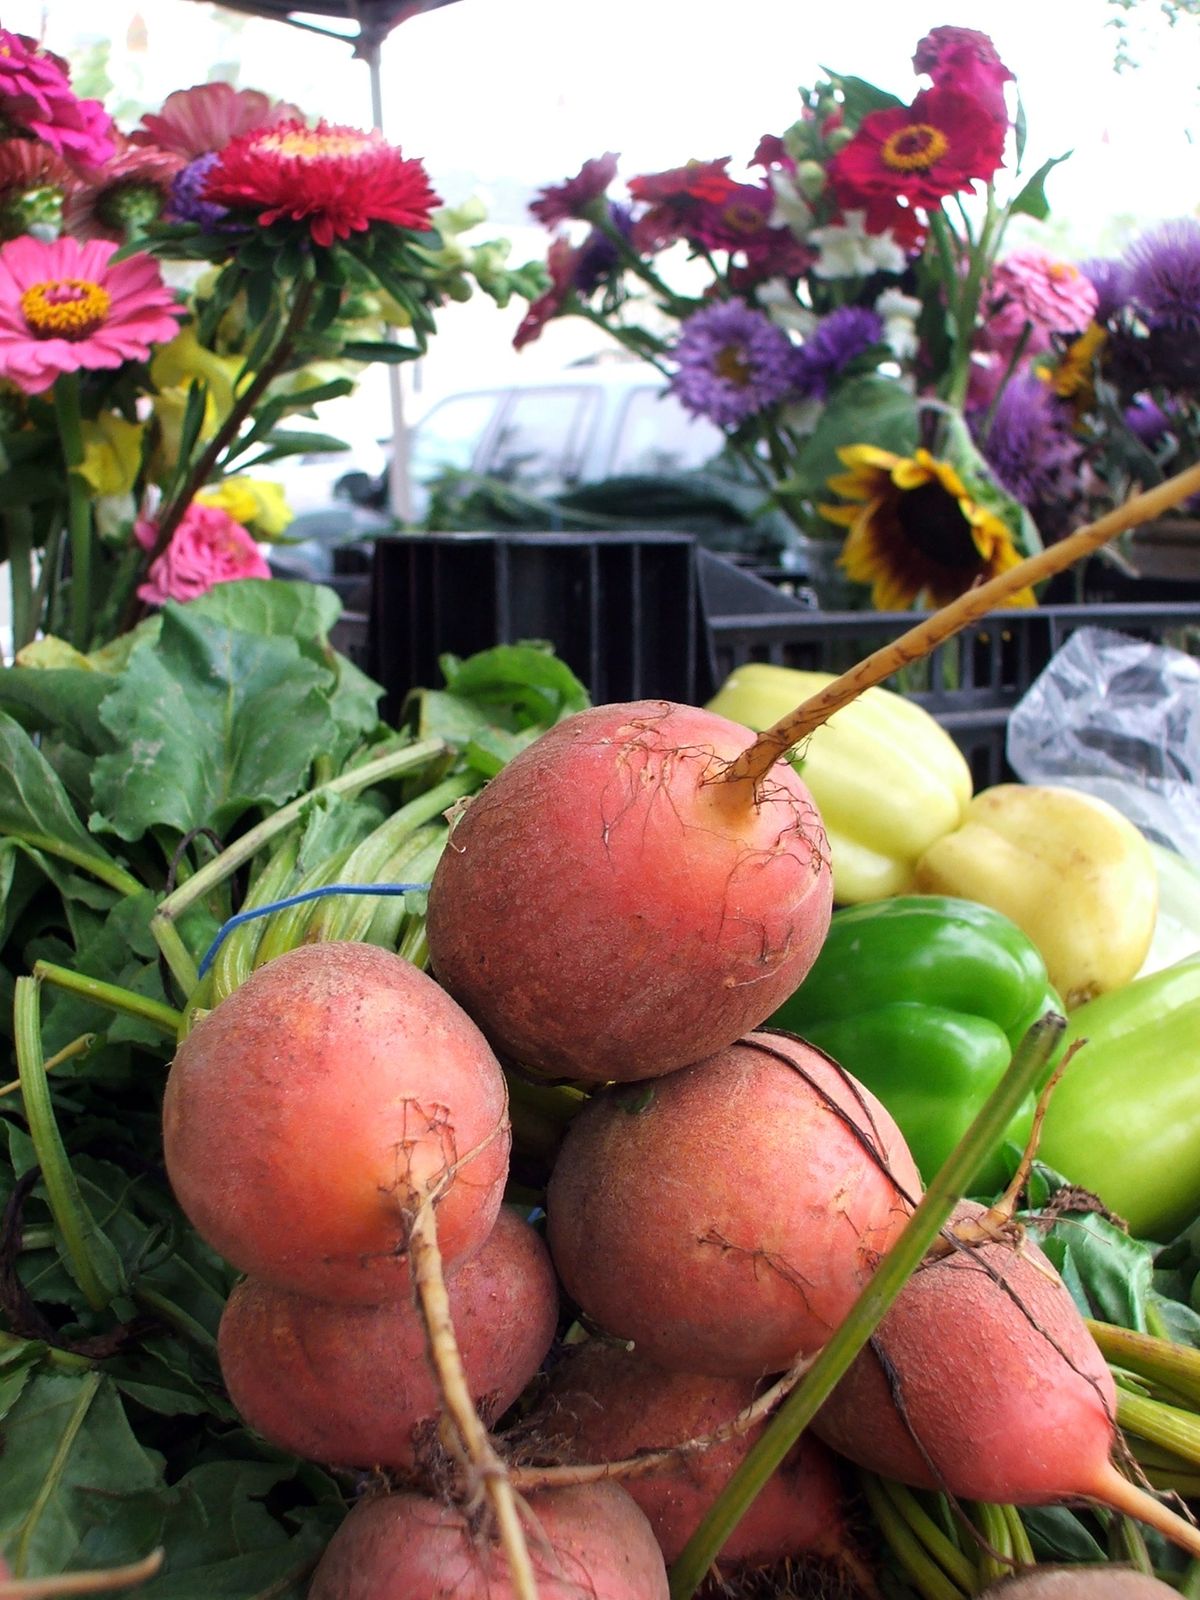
(129, 192)
(674, 197)
(965, 60)
(941, 144)
(561, 263)
(194, 122)
(771, 152)
(338, 179)
(560, 201)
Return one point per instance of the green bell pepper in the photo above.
(923, 999)
(1124, 1119)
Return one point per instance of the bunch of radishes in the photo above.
(617, 910)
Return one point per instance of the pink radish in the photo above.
(608, 1403)
(586, 1543)
(1080, 1583)
(350, 1385)
(309, 1113)
(983, 1380)
(725, 1217)
(610, 908)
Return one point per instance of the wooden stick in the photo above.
(757, 760)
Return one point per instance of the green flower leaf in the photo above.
(1031, 201)
(866, 410)
(214, 721)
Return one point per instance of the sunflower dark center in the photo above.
(933, 523)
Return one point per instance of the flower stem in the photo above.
(123, 1001)
(82, 1242)
(79, 506)
(945, 1190)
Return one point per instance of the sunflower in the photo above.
(915, 531)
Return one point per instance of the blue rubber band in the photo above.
(240, 917)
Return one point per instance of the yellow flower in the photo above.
(177, 364)
(915, 532)
(112, 453)
(1074, 376)
(256, 503)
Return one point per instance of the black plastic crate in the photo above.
(971, 683)
(622, 609)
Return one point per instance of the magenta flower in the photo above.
(118, 202)
(68, 307)
(36, 97)
(208, 547)
(1029, 289)
(732, 362)
(560, 201)
(966, 60)
(195, 122)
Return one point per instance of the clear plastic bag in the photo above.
(1120, 719)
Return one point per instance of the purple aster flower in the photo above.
(1147, 421)
(184, 203)
(598, 254)
(1110, 279)
(1032, 451)
(832, 346)
(1164, 275)
(559, 201)
(733, 362)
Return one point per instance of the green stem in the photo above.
(993, 1525)
(77, 1047)
(959, 1567)
(1128, 1545)
(1022, 1549)
(124, 1001)
(1175, 1366)
(798, 1409)
(223, 866)
(88, 1388)
(79, 506)
(64, 1360)
(19, 527)
(105, 871)
(1189, 1584)
(170, 1313)
(72, 1218)
(1168, 1426)
(930, 1582)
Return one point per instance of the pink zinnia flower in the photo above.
(338, 179)
(1030, 288)
(208, 547)
(68, 307)
(195, 122)
(966, 60)
(36, 96)
(560, 201)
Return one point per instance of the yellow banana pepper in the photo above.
(1069, 869)
(887, 779)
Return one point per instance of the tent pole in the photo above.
(399, 488)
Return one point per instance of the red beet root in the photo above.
(586, 1543)
(726, 1217)
(609, 909)
(607, 1403)
(1004, 1395)
(310, 1113)
(351, 1386)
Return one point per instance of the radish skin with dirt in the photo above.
(724, 1218)
(311, 1112)
(350, 1386)
(586, 1543)
(611, 907)
(983, 1380)
(1080, 1583)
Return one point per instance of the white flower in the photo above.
(778, 299)
(791, 209)
(847, 250)
(899, 312)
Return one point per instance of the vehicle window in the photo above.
(657, 435)
(449, 434)
(539, 442)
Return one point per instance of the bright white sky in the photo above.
(526, 90)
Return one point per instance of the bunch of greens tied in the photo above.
(833, 311)
(170, 299)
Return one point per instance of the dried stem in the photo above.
(99, 1582)
(429, 1279)
(526, 1479)
(757, 760)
